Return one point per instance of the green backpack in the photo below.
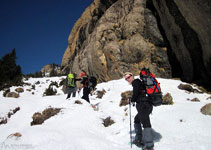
(71, 80)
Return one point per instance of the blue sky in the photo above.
(38, 30)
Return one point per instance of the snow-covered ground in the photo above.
(180, 126)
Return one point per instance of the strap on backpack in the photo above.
(155, 83)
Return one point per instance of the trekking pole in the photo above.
(130, 123)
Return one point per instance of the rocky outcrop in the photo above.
(51, 70)
(171, 37)
(115, 37)
(83, 27)
(187, 27)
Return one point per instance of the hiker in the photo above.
(144, 108)
(84, 85)
(71, 85)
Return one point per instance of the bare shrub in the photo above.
(108, 121)
(100, 93)
(39, 118)
(125, 98)
(167, 99)
(50, 91)
(4, 120)
(54, 83)
(78, 102)
(16, 135)
(195, 100)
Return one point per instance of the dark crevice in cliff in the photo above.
(191, 41)
(175, 65)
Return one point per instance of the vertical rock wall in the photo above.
(123, 36)
(187, 26)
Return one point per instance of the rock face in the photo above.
(171, 37)
(187, 26)
(113, 37)
(51, 70)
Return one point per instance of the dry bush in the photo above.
(108, 121)
(17, 135)
(50, 91)
(100, 93)
(195, 100)
(9, 114)
(78, 102)
(125, 98)
(3, 121)
(39, 118)
(167, 99)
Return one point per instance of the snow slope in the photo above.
(79, 127)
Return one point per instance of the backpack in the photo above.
(92, 82)
(153, 89)
(70, 80)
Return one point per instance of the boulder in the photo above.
(12, 94)
(206, 109)
(19, 90)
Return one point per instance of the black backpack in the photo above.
(153, 89)
(92, 82)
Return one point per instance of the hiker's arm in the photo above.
(78, 79)
(136, 91)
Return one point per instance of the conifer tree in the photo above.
(11, 73)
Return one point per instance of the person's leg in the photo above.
(144, 110)
(86, 92)
(138, 131)
(74, 91)
(68, 92)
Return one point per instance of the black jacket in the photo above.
(85, 81)
(138, 90)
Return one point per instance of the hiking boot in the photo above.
(148, 138)
(138, 143)
(148, 148)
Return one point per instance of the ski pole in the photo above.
(130, 123)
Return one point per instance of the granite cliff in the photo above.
(171, 37)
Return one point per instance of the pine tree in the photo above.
(11, 73)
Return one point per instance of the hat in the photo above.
(82, 74)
